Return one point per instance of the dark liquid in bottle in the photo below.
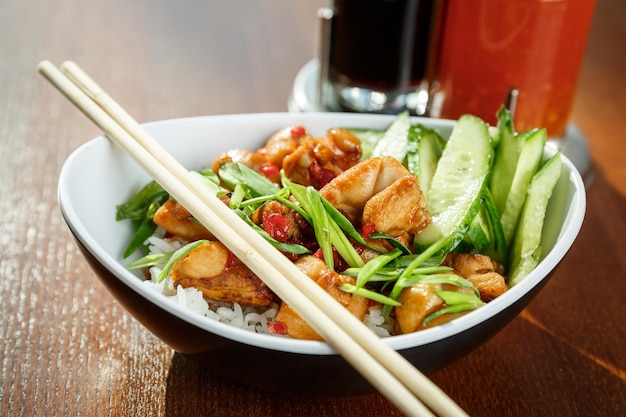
(380, 44)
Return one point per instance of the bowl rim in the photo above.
(273, 342)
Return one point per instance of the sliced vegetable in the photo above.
(327, 232)
(154, 259)
(375, 265)
(391, 240)
(412, 156)
(320, 225)
(497, 248)
(429, 151)
(527, 165)
(233, 173)
(369, 294)
(457, 185)
(451, 279)
(478, 233)
(135, 208)
(457, 302)
(505, 160)
(209, 179)
(140, 210)
(416, 262)
(395, 141)
(526, 249)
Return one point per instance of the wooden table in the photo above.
(67, 347)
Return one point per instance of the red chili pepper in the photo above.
(340, 263)
(231, 259)
(298, 131)
(367, 230)
(276, 327)
(270, 171)
(321, 176)
(276, 226)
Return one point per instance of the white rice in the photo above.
(245, 317)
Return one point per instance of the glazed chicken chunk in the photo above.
(177, 220)
(214, 270)
(316, 161)
(330, 280)
(382, 192)
(486, 274)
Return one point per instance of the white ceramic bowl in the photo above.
(98, 176)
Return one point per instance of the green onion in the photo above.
(372, 295)
(451, 279)
(375, 265)
(392, 241)
(457, 302)
(233, 173)
(210, 180)
(321, 226)
(345, 225)
(293, 206)
(135, 208)
(327, 231)
(408, 271)
(237, 197)
(148, 261)
(144, 230)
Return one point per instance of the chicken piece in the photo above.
(382, 192)
(252, 160)
(214, 270)
(175, 219)
(283, 143)
(398, 209)
(330, 281)
(317, 161)
(286, 226)
(418, 301)
(281, 222)
(350, 191)
(480, 270)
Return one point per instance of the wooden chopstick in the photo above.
(382, 366)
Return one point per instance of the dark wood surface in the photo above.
(67, 348)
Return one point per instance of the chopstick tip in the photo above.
(44, 65)
(68, 64)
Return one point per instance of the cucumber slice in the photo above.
(527, 165)
(412, 158)
(454, 196)
(395, 141)
(526, 250)
(505, 160)
(485, 234)
(497, 249)
(478, 233)
(429, 150)
(425, 147)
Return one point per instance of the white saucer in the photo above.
(303, 96)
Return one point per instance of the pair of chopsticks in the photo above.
(394, 377)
